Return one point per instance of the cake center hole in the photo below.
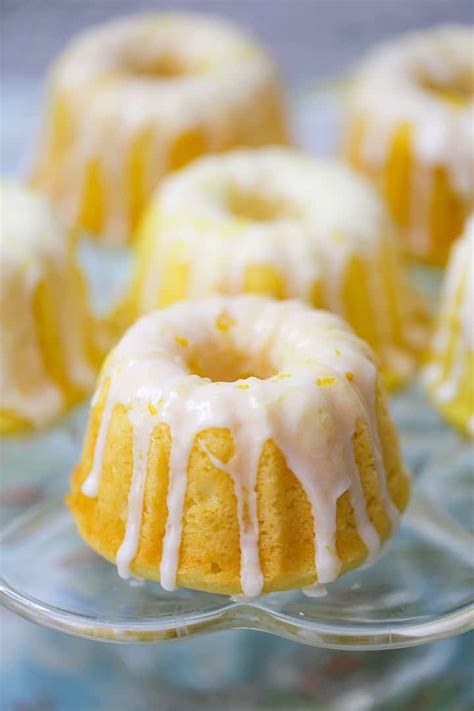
(255, 207)
(165, 66)
(458, 90)
(221, 363)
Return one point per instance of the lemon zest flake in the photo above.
(224, 321)
(153, 408)
(322, 382)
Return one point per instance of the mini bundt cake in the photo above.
(450, 373)
(239, 445)
(275, 222)
(411, 131)
(47, 357)
(141, 96)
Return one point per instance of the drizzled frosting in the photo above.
(446, 373)
(321, 216)
(317, 380)
(168, 75)
(35, 252)
(389, 90)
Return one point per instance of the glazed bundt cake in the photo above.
(239, 445)
(275, 222)
(411, 131)
(141, 96)
(450, 373)
(48, 360)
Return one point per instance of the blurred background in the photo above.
(43, 670)
(309, 38)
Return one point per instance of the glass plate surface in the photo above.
(422, 588)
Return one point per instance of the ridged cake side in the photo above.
(241, 485)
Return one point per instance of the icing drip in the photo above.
(445, 376)
(321, 218)
(315, 591)
(35, 256)
(420, 209)
(113, 82)
(142, 428)
(309, 408)
(246, 461)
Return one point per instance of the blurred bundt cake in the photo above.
(412, 131)
(47, 358)
(141, 96)
(275, 222)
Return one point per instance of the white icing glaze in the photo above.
(456, 321)
(224, 89)
(311, 420)
(325, 216)
(35, 251)
(315, 591)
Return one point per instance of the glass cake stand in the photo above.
(420, 590)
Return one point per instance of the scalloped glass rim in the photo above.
(235, 616)
(258, 615)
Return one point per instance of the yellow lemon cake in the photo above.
(47, 358)
(141, 96)
(239, 445)
(411, 130)
(450, 373)
(275, 222)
